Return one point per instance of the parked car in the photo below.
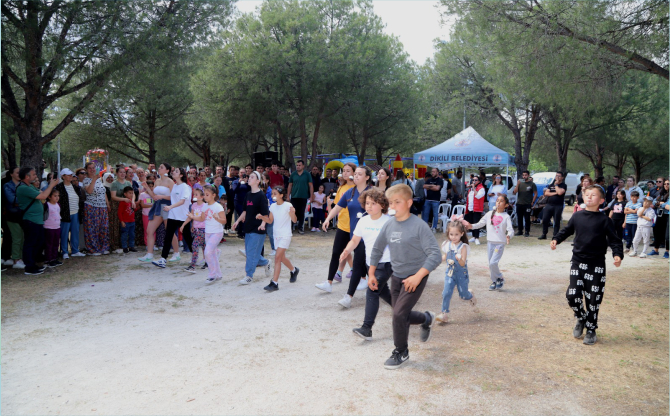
(544, 179)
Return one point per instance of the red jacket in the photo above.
(478, 204)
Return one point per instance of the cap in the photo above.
(648, 198)
(66, 171)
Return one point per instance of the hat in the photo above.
(66, 171)
(648, 198)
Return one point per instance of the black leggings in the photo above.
(473, 218)
(342, 238)
(659, 232)
(618, 228)
(359, 270)
(172, 227)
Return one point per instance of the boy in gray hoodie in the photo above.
(414, 254)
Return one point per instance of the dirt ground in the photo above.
(110, 335)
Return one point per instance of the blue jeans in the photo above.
(456, 276)
(72, 229)
(253, 243)
(431, 205)
(128, 235)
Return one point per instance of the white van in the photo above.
(543, 179)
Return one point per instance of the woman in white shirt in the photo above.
(180, 199)
(497, 189)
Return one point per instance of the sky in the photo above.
(416, 23)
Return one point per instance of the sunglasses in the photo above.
(659, 181)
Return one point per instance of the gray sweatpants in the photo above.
(495, 251)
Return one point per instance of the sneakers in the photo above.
(363, 332)
(325, 286)
(578, 330)
(427, 326)
(175, 258)
(246, 280)
(434, 230)
(34, 272)
(268, 270)
(99, 254)
(273, 253)
(345, 302)
(348, 276)
(190, 269)
(272, 286)
(642, 255)
(442, 317)
(472, 240)
(147, 258)
(477, 241)
(65, 256)
(493, 286)
(665, 255)
(301, 231)
(118, 251)
(19, 265)
(212, 279)
(294, 275)
(397, 360)
(519, 233)
(159, 263)
(632, 254)
(54, 263)
(132, 249)
(243, 252)
(338, 277)
(542, 237)
(125, 251)
(362, 285)
(590, 338)
(652, 253)
(499, 284)
(106, 252)
(204, 266)
(526, 235)
(473, 299)
(313, 229)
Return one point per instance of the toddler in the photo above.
(126, 214)
(456, 250)
(198, 233)
(646, 216)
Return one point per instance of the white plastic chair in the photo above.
(458, 210)
(308, 215)
(443, 214)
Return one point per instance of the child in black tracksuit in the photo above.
(593, 232)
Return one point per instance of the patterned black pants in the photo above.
(586, 291)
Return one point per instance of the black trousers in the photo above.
(618, 228)
(382, 274)
(659, 232)
(342, 238)
(359, 270)
(300, 204)
(33, 243)
(586, 291)
(403, 315)
(472, 218)
(555, 212)
(523, 217)
(172, 227)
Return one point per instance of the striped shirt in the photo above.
(632, 218)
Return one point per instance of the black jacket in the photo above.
(64, 202)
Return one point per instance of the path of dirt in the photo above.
(113, 336)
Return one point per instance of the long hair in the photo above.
(506, 203)
(461, 228)
(389, 179)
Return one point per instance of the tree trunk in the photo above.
(151, 137)
(379, 156)
(364, 146)
(303, 138)
(620, 160)
(10, 153)
(288, 162)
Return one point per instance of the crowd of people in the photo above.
(384, 227)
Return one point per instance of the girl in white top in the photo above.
(496, 189)
(214, 216)
(281, 216)
(499, 231)
(160, 193)
(180, 198)
(318, 200)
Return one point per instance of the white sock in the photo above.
(339, 273)
(150, 255)
(293, 271)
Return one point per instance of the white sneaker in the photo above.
(107, 252)
(8, 262)
(345, 301)
(273, 253)
(159, 263)
(643, 255)
(434, 230)
(246, 280)
(632, 254)
(96, 254)
(472, 240)
(442, 317)
(242, 252)
(175, 258)
(65, 256)
(78, 254)
(325, 286)
(118, 251)
(19, 265)
(147, 258)
(268, 269)
(477, 241)
(362, 285)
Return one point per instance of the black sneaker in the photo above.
(499, 284)
(190, 269)
(397, 360)
(427, 326)
(493, 286)
(526, 235)
(363, 332)
(294, 275)
(125, 251)
(43, 268)
(132, 249)
(33, 272)
(519, 233)
(578, 329)
(300, 231)
(272, 286)
(204, 266)
(542, 237)
(54, 263)
(590, 338)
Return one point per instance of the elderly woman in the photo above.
(96, 212)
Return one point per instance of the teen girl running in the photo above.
(456, 250)
(281, 217)
(198, 233)
(160, 193)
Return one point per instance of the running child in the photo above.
(593, 232)
(198, 233)
(456, 250)
(376, 205)
(646, 216)
(414, 254)
(52, 229)
(126, 214)
(281, 216)
(317, 209)
(499, 231)
(214, 217)
(616, 213)
(631, 218)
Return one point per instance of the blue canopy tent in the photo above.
(466, 149)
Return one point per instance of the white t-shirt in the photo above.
(281, 226)
(448, 245)
(212, 226)
(178, 193)
(368, 229)
(649, 212)
(73, 198)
